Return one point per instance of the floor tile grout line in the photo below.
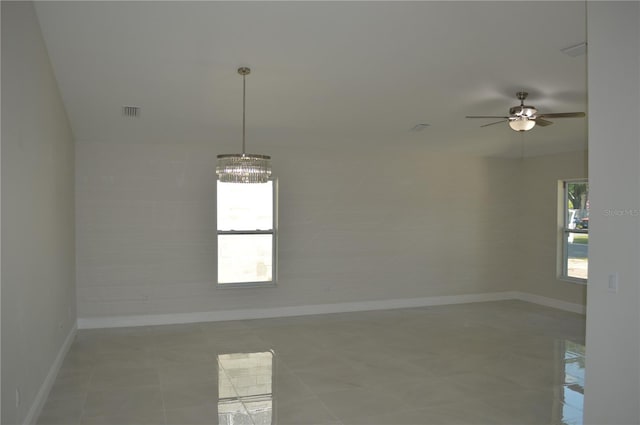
(164, 408)
(313, 393)
(235, 390)
(86, 396)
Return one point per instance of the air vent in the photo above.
(419, 127)
(577, 50)
(131, 111)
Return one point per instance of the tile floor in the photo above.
(507, 362)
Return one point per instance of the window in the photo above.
(246, 234)
(575, 230)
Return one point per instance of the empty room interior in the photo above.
(320, 212)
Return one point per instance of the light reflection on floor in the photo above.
(569, 404)
(245, 386)
(245, 391)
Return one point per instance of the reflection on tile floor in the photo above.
(245, 392)
(571, 397)
(507, 362)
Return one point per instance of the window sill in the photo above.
(246, 285)
(572, 280)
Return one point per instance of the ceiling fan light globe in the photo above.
(521, 124)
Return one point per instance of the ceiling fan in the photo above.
(524, 117)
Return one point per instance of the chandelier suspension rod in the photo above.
(244, 101)
(244, 167)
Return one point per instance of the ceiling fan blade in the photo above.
(542, 123)
(485, 116)
(497, 122)
(563, 115)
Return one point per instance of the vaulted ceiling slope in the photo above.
(349, 75)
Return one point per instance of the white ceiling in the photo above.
(352, 75)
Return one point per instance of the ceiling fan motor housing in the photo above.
(523, 111)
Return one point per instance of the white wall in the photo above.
(354, 226)
(538, 200)
(612, 392)
(38, 302)
(386, 224)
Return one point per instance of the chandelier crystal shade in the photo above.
(244, 167)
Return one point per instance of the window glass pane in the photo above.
(577, 255)
(243, 206)
(245, 258)
(577, 205)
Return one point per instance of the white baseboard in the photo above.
(550, 302)
(244, 314)
(264, 313)
(43, 392)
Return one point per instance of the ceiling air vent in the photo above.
(577, 50)
(419, 127)
(131, 111)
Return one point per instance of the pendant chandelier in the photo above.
(245, 167)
